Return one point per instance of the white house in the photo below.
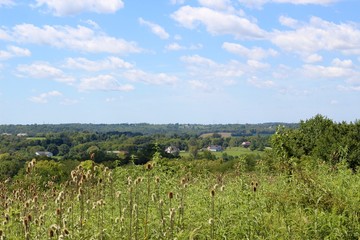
(46, 154)
(214, 148)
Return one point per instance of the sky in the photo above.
(178, 61)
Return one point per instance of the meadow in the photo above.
(172, 199)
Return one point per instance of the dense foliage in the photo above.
(320, 138)
(305, 185)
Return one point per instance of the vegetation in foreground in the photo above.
(305, 187)
(187, 200)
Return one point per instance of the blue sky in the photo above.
(178, 61)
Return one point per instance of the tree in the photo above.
(53, 149)
(63, 149)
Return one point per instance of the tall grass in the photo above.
(172, 201)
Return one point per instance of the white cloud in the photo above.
(348, 88)
(43, 71)
(108, 63)
(137, 75)
(6, 3)
(68, 101)
(216, 4)
(260, 83)
(288, 22)
(206, 72)
(177, 47)
(256, 65)
(200, 85)
(319, 35)
(260, 3)
(103, 83)
(44, 97)
(80, 38)
(217, 22)
(338, 69)
(92, 24)
(13, 51)
(342, 63)
(177, 1)
(174, 47)
(71, 7)
(155, 29)
(312, 58)
(253, 53)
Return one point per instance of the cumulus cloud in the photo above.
(137, 75)
(14, 51)
(318, 35)
(6, 3)
(70, 7)
(177, 1)
(216, 4)
(254, 81)
(108, 63)
(217, 22)
(77, 38)
(103, 83)
(43, 71)
(207, 74)
(260, 3)
(155, 29)
(251, 53)
(288, 22)
(44, 97)
(338, 69)
(177, 47)
(312, 58)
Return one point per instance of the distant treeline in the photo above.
(147, 129)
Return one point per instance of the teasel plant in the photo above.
(130, 207)
(212, 219)
(149, 167)
(181, 206)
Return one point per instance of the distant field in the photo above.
(233, 151)
(36, 138)
(223, 134)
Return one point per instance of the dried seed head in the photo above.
(170, 195)
(157, 179)
(66, 232)
(212, 193)
(183, 181)
(58, 211)
(25, 223)
(118, 194)
(29, 217)
(51, 233)
(153, 197)
(149, 166)
(81, 191)
(35, 199)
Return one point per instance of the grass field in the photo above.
(231, 151)
(169, 200)
(223, 134)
